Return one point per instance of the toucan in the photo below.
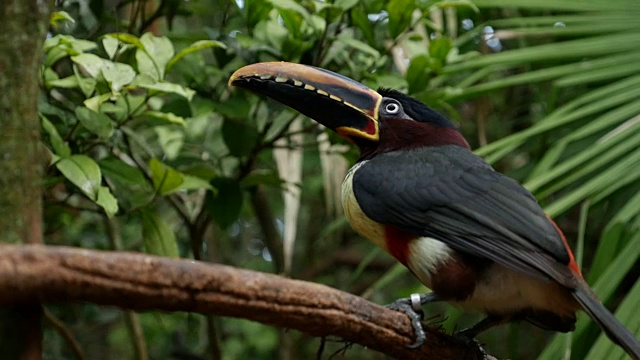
(477, 238)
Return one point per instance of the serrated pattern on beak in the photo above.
(321, 83)
(297, 83)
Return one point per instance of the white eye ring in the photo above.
(392, 108)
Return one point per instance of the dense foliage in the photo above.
(151, 151)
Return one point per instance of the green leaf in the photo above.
(317, 23)
(118, 109)
(418, 74)
(121, 172)
(153, 57)
(83, 172)
(293, 22)
(127, 39)
(110, 45)
(196, 46)
(60, 148)
(158, 237)
(61, 46)
(564, 50)
(66, 83)
(165, 117)
(400, 12)
(171, 140)
(91, 63)
(361, 20)
(224, 207)
(440, 48)
(58, 17)
(290, 5)
(48, 74)
(117, 75)
(202, 170)
(194, 183)
(96, 122)
(239, 137)
(236, 107)
(136, 104)
(345, 4)
(262, 177)
(95, 102)
(453, 3)
(54, 55)
(165, 179)
(170, 88)
(131, 187)
(107, 201)
(87, 85)
(359, 45)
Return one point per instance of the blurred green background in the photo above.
(152, 152)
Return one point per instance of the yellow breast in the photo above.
(364, 226)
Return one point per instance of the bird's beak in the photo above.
(335, 101)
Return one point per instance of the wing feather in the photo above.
(453, 195)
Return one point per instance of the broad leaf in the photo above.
(239, 137)
(225, 205)
(196, 46)
(117, 75)
(400, 12)
(91, 63)
(165, 179)
(107, 201)
(154, 56)
(130, 186)
(158, 236)
(83, 172)
(96, 122)
(171, 89)
(60, 148)
(171, 139)
(165, 117)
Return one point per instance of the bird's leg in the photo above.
(484, 324)
(469, 335)
(412, 306)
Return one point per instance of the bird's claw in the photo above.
(469, 340)
(412, 307)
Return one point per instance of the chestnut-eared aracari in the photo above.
(475, 237)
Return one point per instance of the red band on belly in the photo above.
(397, 242)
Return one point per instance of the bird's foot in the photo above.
(468, 337)
(412, 306)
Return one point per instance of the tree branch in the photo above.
(36, 273)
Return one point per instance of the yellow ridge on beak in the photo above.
(341, 104)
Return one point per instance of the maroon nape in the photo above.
(404, 134)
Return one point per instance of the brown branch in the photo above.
(35, 273)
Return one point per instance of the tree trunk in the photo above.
(23, 25)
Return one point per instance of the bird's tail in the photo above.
(605, 319)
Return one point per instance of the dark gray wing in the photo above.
(451, 194)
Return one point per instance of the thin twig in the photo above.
(65, 332)
(266, 221)
(174, 200)
(155, 16)
(131, 318)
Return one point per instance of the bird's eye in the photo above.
(392, 108)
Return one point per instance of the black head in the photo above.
(376, 121)
(413, 109)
